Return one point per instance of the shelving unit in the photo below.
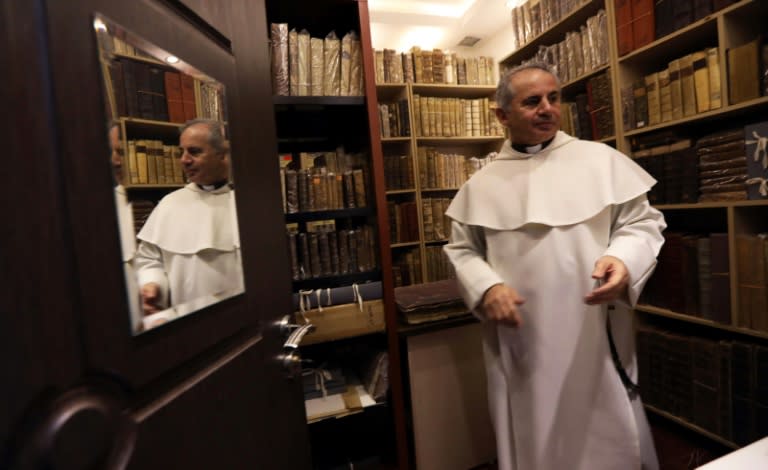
(323, 124)
(726, 28)
(411, 254)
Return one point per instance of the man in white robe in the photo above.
(190, 245)
(542, 240)
(125, 225)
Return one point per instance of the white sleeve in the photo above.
(636, 240)
(150, 268)
(466, 251)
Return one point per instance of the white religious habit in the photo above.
(190, 245)
(128, 249)
(538, 222)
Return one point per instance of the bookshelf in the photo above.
(413, 185)
(682, 335)
(319, 134)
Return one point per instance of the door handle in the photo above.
(291, 357)
(294, 339)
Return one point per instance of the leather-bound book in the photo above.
(643, 22)
(430, 301)
(653, 94)
(701, 81)
(293, 62)
(278, 39)
(664, 17)
(706, 384)
(676, 89)
(317, 62)
(174, 97)
(624, 36)
(293, 253)
(641, 103)
(713, 72)
(720, 294)
(129, 82)
(665, 96)
(753, 295)
(118, 87)
(743, 75)
(314, 255)
(690, 275)
(688, 84)
(705, 277)
(682, 14)
(701, 8)
(157, 88)
(188, 96)
(742, 393)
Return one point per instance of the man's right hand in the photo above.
(150, 298)
(500, 304)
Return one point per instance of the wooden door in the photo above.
(205, 391)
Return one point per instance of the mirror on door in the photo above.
(173, 188)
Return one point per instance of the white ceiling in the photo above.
(429, 24)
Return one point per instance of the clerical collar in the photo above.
(212, 187)
(532, 148)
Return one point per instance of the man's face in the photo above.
(117, 154)
(201, 163)
(533, 116)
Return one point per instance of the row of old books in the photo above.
(152, 162)
(398, 172)
(406, 267)
(600, 106)
(438, 266)
(323, 251)
(728, 165)
(394, 119)
(317, 189)
(575, 118)
(141, 209)
(532, 17)
(442, 170)
(455, 117)
(307, 66)
(580, 53)
(720, 386)
(640, 22)
(144, 87)
(689, 85)
(403, 222)
(437, 225)
(672, 15)
(435, 66)
(692, 276)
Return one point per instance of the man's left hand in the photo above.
(615, 278)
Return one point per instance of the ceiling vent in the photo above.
(468, 41)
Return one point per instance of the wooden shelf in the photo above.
(338, 280)
(715, 114)
(328, 214)
(334, 406)
(453, 91)
(459, 140)
(319, 100)
(437, 190)
(385, 140)
(405, 244)
(662, 312)
(401, 191)
(579, 82)
(691, 426)
(133, 121)
(712, 205)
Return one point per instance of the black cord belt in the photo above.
(632, 388)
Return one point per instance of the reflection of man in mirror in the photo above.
(125, 223)
(189, 246)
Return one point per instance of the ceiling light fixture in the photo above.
(172, 59)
